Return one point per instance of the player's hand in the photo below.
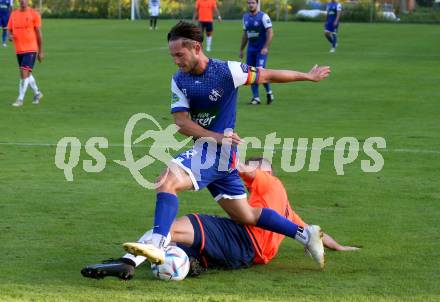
(10, 38)
(219, 18)
(335, 24)
(40, 56)
(230, 138)
(319, 73)
(264, 51)
(240, 55)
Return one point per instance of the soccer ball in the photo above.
(176, 265)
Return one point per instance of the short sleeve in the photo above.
(179, 102)
(339, 7)
(244, 24)
(266, 21)
(242, 74)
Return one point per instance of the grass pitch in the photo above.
(99, 73)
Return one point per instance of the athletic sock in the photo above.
(334, 40)
(267, 87)
(254, 88)
(166, 210)
(22, 88)
(33, 84)
(208, 42)
(272, 221)
(329, 38)
(4, 36)
(138, 260)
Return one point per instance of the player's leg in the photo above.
(24, 68)
(251, 60)
(4, 26)
(209, 32)
(262, 62)
(151, 22)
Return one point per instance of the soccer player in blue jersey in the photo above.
(5, 11)
(334, 10)
(204, 101)
(258, 34)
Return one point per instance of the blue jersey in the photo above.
(255, 27)
(211, 98)
(5, 6)
(332, 11)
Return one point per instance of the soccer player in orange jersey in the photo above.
(217, 242)
(24, 28)
(204, 14)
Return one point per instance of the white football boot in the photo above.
(154, 254)
(18, 103)
(315, 245)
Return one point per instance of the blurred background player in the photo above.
(204, 14)
(334, 10)
(5, 11)
(203, 237)
(258, 35)
(25, 30)
(154, 10)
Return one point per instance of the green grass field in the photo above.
(99, 73)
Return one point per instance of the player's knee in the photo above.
(248, 218)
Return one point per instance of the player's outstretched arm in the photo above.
(330, 243)
(316, 74)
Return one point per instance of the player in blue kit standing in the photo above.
(334, 10)
(5, 11)
(258, 34)
(203, 105)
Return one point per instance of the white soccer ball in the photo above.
(176, 265)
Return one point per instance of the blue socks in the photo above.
(166, 210)
(254, 88)
(272, 221)
(4, 35)
(334, 40)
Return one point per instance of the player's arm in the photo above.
(338, 14)
(244, 40)
(269, 37)
(39, 43)
(196, 12)
(189, 128)
(330, 243)
(219, 18)
(316, 74)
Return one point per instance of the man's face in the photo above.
(187, 58)
(23, 3)
(252, 6)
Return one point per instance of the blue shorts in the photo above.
(256, 59)
(4, 18)
(208, 26)
(26, 60)
(330, 28)
(221, 177)
(220, 243)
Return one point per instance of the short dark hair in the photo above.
(185, 30)
(261, 161)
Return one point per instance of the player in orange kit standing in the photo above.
(204, 13)
(24, 29)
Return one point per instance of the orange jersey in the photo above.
(267, 191)
(204, 9)
(23, 26)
